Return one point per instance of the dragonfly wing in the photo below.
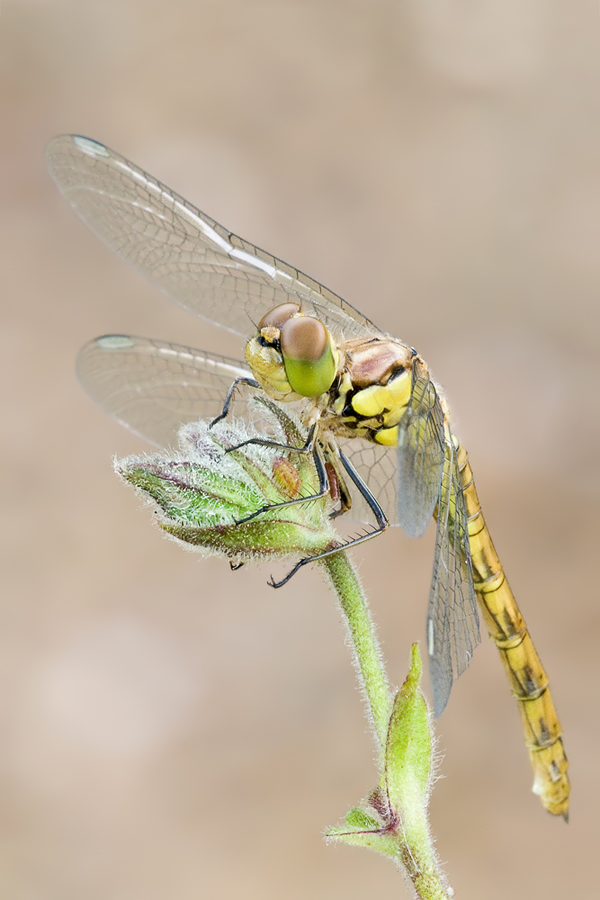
(420, 455)
(193, 260)
(452, 620)
(153, 387)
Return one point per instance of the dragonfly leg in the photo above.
(380, 516)
(309, 447)
(251, 382)
(364, 491)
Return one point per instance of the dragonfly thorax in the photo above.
(360, 388)
(372, 390)
(292, 355)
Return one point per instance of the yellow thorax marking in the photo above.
(387, 400)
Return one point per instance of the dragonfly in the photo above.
(371, 409)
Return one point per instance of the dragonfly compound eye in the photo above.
(308, 355)
(279, 315)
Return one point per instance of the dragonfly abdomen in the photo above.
(526, 675)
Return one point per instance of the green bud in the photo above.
(409, 746)
(358, 818)
(202, 491)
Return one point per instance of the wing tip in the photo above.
(441, 678)
(77, 143)
(440, 701)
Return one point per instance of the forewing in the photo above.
(193, 260)
(153, 387)
(420, 454)
(452, 620)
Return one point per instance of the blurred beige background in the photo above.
(170, 729)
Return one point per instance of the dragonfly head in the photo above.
(292, 355)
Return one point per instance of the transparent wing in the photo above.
(153, 387)
(193, 260)
(420, 455)
(452, 620)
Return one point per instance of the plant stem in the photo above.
(402, 728)
(346, 584)
(422, 868)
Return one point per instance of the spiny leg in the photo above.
(367, 494)
(244, 379)
(376, 509)
(309, 447)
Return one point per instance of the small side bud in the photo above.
(409, 745)
(287, 477)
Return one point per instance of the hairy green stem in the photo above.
(352, 600)
(402, 728)
(421, 865)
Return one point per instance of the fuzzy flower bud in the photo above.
(201, 492)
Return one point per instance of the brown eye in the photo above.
(277, 316)
(308, 356)
(304, 339)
